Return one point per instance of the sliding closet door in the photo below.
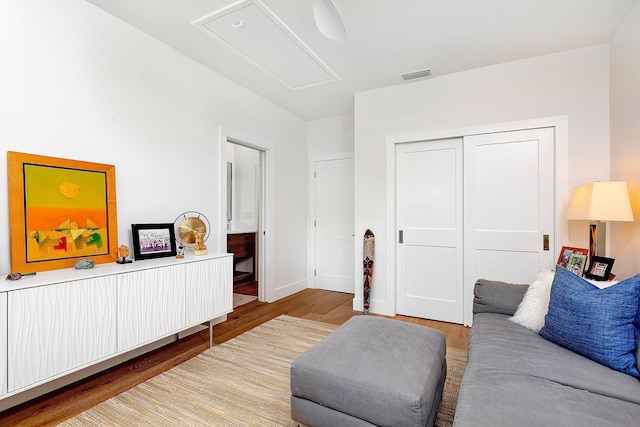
(509, 207)
(429, 219)
(479, 206)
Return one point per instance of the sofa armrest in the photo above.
(491, 296)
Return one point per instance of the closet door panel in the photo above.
(509, 207)
(429, 215)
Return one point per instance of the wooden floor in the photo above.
(246, 288)
(312, 304)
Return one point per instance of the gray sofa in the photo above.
(514, 377)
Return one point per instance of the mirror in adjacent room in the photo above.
(229, 194)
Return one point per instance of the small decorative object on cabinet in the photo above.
(123, 251)
(18, 275)
(192, 228)
(180, 254)
(84, 264)
(200, 248)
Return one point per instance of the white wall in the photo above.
(574, 84)
(330, 136)
(625, 138)
(78, 83)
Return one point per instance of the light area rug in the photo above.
(239, 299)
(242, 382)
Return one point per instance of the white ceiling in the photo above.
(385, 38)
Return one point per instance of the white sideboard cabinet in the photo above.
(3, 344)
(52, 329)
(62, 321)
(151, 304)
(207, 302)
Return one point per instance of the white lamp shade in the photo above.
(601, 201)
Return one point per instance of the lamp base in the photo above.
(597, 239)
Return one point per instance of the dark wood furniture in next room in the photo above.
(243, 247)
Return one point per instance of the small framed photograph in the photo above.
(567, 251)
(576, 263)
(153, 241)
(600, 268)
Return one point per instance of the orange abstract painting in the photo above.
(60, 211)
(65, 212)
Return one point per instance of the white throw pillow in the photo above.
(535, 303)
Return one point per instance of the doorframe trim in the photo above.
(265, 245)
(311, 190)
(562, 191)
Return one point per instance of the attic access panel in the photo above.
(255, 33)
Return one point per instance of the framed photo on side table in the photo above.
(567, 251)
(576, 263)
(153, 241)
(600, 268)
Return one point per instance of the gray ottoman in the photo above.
(370, 371)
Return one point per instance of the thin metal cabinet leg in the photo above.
(210, 333)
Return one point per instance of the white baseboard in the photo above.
(286, 290)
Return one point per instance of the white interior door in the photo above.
(509, 207)
(334, 225)
(429, 218)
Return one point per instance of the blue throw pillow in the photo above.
(598, 323)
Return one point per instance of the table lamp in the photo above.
(599, 202)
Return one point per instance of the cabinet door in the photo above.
(3, 344)
(54, 329)
(209, 289)
(151, 305)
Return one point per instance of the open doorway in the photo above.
(244, 219)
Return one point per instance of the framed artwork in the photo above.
(600, 268)
(60, 211)
(153, 241)
(566, 252)
(576, 263)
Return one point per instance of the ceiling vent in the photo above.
(251, 30)
(413, 75)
